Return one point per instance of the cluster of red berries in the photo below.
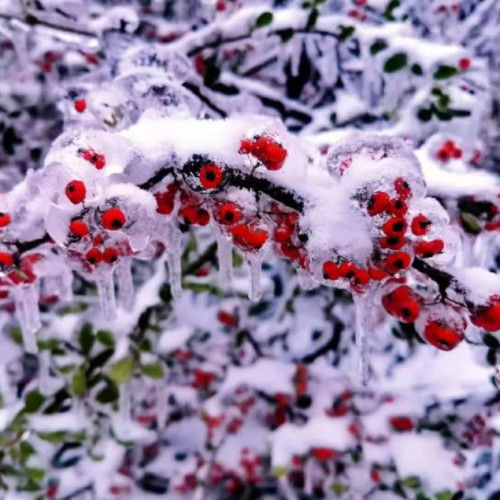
(266, 150)
(20, 271)
(448, 151)
(96, 159)
(165, 200)
(49, 59)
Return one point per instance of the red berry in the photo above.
(110, 255)
(248, 236)
(347, 270)
(289, 250)
(80, 105)
(397, 262)
(6, 259)
(229, 213)
(220, 6)
(283, 232)
(211, 176)
(402, 303)
(93, 256)
(227, 319)
(190, 214)
(271, 154)
(402, 188)
(202, 216)
(442, 336)
(378, 203)
(427, 249)
(456, 153)
(76, 191)
(113, 219)
(4, 219)
(487, 317)
(97, 159)
(443, 155)
(395, 227)
(420, 225)
(376, 274)
(402, 424)
(164, 203)
(397, 206)
(330, 271)
(246, 146)
(464, 63)
(79, 228)
(361, 278)
(323, 454)
(392, 242)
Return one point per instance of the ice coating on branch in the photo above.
(28, 314)
(106, 290)
(125, 284)
(478, 284)
(225, 260)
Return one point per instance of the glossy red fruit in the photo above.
(211, 176)
(79, 228)
(76, 191)
(97, 159)
(397, 206)
(271, 154)
(420, 225)
(443, 155)
(113, 219)
(427, 249)
(442, 336)
(360, 278)
(330, 271)
(202, 216)
(402, 423)
(227, 319)
(487, 317)
(164, 203)
(397, 262)
(392, 242)
(6, 259)
(402, 188)
(189, 214)
(229, 213)
(395, 227)
(283, 232)
(289, 250)
(93, 256)
(80, 105)
(4, 219)
(376, 274)
(402, 303)
(323, 454)
(464, 63)
(347, 270)
(110, 255)
(378, 203)
(249, 236)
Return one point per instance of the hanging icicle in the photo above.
(173, 238)
(28, 314)
(361, 305)
(225, 260)
(126, 292)
(106, 289)
(255, 263)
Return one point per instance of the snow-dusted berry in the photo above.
(113, 219)
(93, 256)
(378, 203)
(211, 176)
(229, 213)
(395, 227)
(420, 225)
(80, 105)
(76, 191)
(5, 219)
(6, 259)
(397, 262)
(442, 336)
(330, 271)
(79, 228)
(427, 249)
(110, 255)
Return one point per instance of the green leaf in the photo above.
(311, 20)
(459, 113)
(411, 482)
(444, 72)
(391, 7)
(280, 471)
(339, 488)
(73, 309)
(109, 394)
(286, 34)
(86, 339)
(416, 69)
(378, 46)
(16, 335)
(30, 486)
(121, 371)
(33, 401)
(26, 450)
(346, 32)
(443, 101)
(165, 293)
(153, 370)
(237, 259)
(265, 19)
(79, 383)
(424, 115)
(396, 62)
(52, 437)
(106, 338)
(444, 495)
(35, 474)
(491, 341)
(469, 223)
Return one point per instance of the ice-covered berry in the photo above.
(113, 219)
(76, 191)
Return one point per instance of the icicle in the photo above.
(361, 303)
(286, 488)
(225, 260)
(44, 371)
(125, 284)
(28, 315)
(106, 289)
(125, 403)
(255, 263)
(173, 244)
(161, 405)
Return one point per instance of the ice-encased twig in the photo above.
(106, 290)
(28, 315)
(255, 264)
(225, 260)
(126, 291)
(173, 249)
(125, 403)
(361, 303)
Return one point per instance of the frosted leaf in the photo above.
(125, 284)
(225, 260)
(106, 290)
